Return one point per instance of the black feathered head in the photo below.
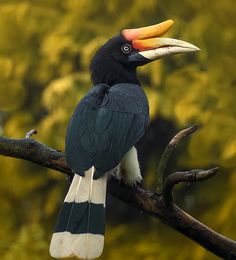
(116, 61)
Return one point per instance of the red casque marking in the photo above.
(130, 35)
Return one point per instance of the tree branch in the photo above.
(31, 150)
(188, 176)
(153, 204)
(167, 153)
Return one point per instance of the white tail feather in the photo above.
(66, 244)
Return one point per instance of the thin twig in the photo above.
(188, 176)
(167, 153)
(30, 133)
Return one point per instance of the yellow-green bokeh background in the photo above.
(45, 49)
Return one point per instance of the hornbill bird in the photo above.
(106, 124)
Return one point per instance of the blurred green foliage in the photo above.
(45, 50)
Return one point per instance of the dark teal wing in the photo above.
(105, 125)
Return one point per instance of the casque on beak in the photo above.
(150, 45)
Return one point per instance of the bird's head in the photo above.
(116, 61)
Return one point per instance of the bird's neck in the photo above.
(114, 75)
(123, 76)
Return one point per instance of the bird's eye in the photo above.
(126, 48)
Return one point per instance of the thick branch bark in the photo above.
(30, 150)
(151, 203)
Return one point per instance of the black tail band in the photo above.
(78, 220)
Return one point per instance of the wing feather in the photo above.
(105, 125)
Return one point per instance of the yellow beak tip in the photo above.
(171, 22)
(168, 24)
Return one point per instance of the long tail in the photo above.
(81, 222)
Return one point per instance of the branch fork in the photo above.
(167, 153)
